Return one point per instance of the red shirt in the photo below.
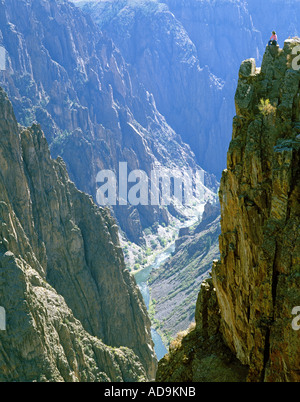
(274, 37)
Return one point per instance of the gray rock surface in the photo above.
(73, 311)
(186, 54)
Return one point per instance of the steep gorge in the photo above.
(95, 112)
(244, 312)
(186, 53)
(66, 74)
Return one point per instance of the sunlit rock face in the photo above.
(72, 310)
(248, 307)
(257, 278)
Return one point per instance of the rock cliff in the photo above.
(184, 52)
(192, 50)
(73, 312)
(246, 308)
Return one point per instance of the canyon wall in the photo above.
(64, 73)
(73, 312)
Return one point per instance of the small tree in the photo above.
(266, 108)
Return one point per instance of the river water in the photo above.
(142, 281)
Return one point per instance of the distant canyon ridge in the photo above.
(145, 83)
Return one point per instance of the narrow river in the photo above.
(142, 281)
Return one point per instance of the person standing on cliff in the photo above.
(273, 40)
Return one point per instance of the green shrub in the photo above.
(162, 241)
(266, 108)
